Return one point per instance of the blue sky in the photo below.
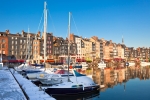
(108, 19)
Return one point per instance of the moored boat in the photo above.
(78, 84)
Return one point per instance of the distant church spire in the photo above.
(122, 40)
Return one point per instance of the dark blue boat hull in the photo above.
(85, 96)
(71, 91)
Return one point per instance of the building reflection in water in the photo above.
(110, 77)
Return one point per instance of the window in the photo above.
(48, 38)
(16, 38)
(3, 41)
(12, 47)
(12, 37)
(20, 41)
(24, 41)
(3, 52)
(20, 46)
(12, 52)
(16, 42)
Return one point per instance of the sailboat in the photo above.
(76, 84)
(26, 68)
(1, 60)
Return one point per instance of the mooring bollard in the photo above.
(44, 90)
(40, 88)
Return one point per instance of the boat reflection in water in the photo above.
(87, 96)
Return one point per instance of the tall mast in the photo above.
(69, 46)
(28, 45)
(45, 29)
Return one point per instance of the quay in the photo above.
(14, 86)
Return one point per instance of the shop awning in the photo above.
(5, 61)
(80, 60)
(16, 61)
(49, 60)
(12, 61)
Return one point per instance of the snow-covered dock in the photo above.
(9, 88)
(32, 91)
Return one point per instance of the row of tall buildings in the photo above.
(30, 46)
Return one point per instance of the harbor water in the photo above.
(130, 83)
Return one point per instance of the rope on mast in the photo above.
(40, 21)
(75, 25)
(52, 21)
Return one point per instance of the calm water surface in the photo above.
(129, 84)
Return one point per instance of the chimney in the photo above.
(7, 31)
(95, 38)
(22, 31)
(110, 41)
(38, 33)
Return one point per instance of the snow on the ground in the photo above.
(9, 88)
(31, 89)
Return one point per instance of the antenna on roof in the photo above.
(122, 40)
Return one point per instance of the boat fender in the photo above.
(83, 87)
